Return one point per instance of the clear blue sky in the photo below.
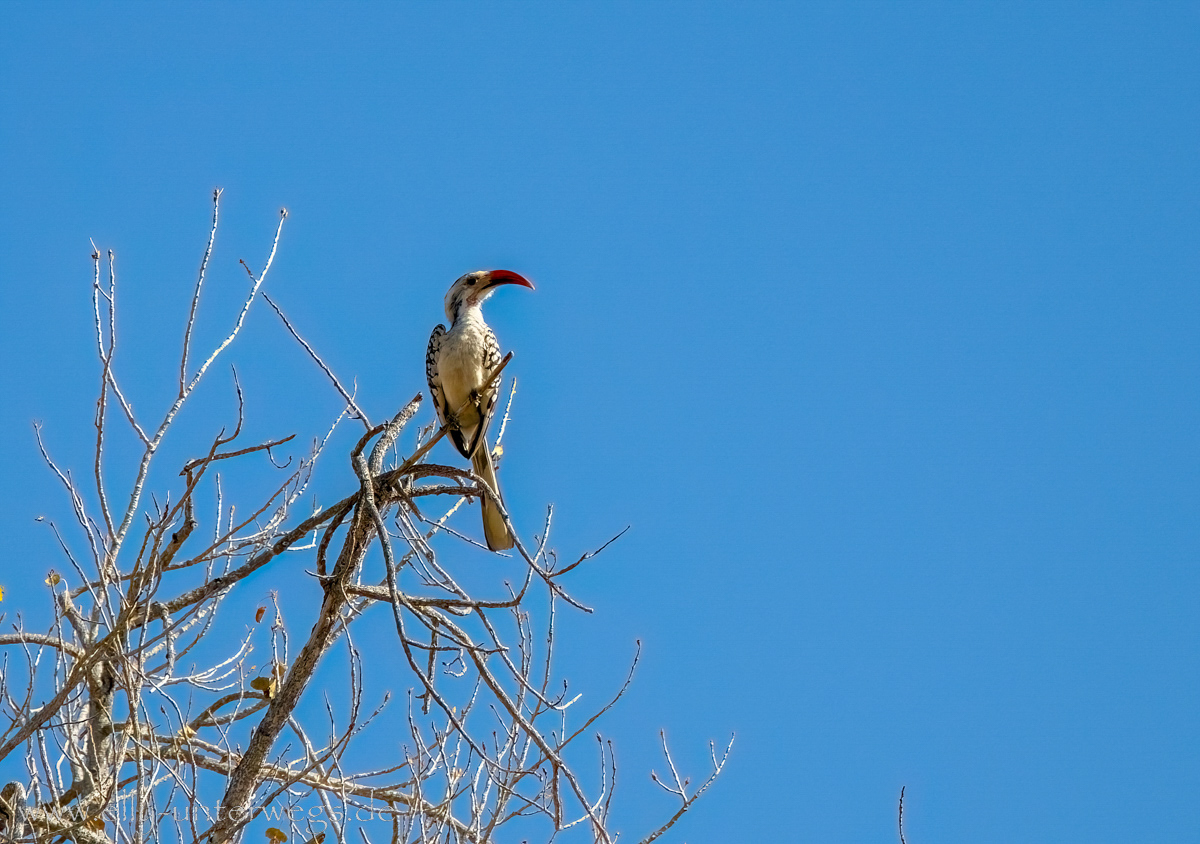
(880, 324)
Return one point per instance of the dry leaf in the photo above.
(259, 614)
(53, 578)
(274, 834)
(266, 685)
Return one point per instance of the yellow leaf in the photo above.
(53, 579)
(1, 593)
(274, 834)
(266, 685)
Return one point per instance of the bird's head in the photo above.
(474, 287)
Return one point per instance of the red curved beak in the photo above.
(507, 277)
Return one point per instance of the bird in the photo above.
(458, 362)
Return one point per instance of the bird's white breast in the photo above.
(460, 361)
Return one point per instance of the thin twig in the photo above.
(191, 320)
(226, 455)
(688, 802)
(313, 354)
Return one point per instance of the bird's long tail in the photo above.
(494, 530)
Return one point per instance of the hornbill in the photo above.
(457, 364)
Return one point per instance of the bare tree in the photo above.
(138, 722)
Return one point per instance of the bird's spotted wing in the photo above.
(431, 373)
(491, 359)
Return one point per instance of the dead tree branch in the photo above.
(146, 710)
